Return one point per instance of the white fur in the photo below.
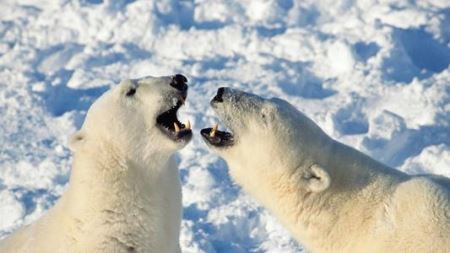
(124, 193)
(330, 196)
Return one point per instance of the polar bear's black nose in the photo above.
(218, 97)
(179, 82)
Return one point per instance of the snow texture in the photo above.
(373, 74)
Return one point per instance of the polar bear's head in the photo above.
(266, 136)
(136, 119)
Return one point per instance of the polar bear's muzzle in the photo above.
(168, 121)
(212, 135)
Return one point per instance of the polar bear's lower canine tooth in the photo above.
(177, 128)
(214, 130)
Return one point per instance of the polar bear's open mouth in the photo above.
(171, 126)
(217, 138)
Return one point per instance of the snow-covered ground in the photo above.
(372, 73)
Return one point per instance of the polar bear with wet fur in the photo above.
(124, 193)
(331, 197)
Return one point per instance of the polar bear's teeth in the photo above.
(174, 102)
(177, 128)
(214, 130)
(188, 125)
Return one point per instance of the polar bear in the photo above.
(124, 193)
(331, 197)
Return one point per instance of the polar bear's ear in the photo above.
(316, 178)
(77, 140)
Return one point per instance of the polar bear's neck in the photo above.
(105, 179)
(112, 197)
(358, 185)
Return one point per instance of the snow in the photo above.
(373, 74)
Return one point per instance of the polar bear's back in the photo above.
(440, 180)
(44, 235)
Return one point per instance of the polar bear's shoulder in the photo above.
(430, 189)
(425, 187)
(419, 210)
(427, 197)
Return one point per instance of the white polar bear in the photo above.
(330, 196)
(124, 193)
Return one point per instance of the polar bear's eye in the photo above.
(131, 92)
(266, 117)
